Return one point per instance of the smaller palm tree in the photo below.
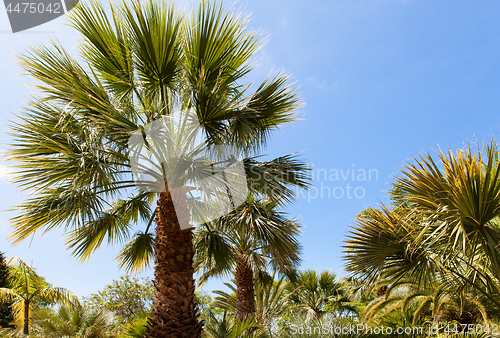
(28, 291)
(317, 294)
(272, 304)
(5, 308)
(247, 241)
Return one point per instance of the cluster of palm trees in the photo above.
(43, 311)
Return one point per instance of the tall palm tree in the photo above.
(140, 63)
(246, 242)
(28, 291)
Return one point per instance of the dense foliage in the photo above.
(5, 307)
(126, 297)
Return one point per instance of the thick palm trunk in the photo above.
(174, 313)
(26, 329)
(245, 298)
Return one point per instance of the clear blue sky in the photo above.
(382, 80)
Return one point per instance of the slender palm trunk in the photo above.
(26, 329)
(245, 296)
(174, 313)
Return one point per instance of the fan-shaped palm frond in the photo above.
(383, 244)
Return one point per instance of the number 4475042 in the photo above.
(33, 7)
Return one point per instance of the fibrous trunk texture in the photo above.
(245, 299)
(174, 313)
